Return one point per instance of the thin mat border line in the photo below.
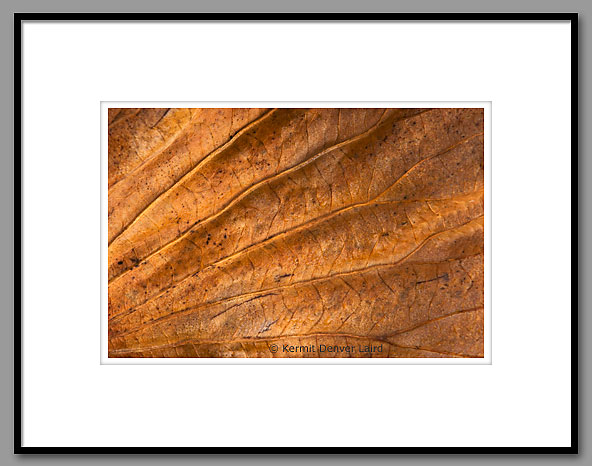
(485, 360)
(18, 20)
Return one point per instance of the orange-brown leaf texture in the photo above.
(273, 233)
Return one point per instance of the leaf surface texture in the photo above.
(237, 232)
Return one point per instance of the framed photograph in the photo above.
(334, 232)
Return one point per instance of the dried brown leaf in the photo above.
(296, 228)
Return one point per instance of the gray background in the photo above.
(584, 7)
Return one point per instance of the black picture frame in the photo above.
(275, 17)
